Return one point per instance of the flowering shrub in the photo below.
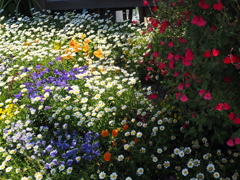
(198, 42)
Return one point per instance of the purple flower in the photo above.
(53, 153)
(49, 148)
(69, 162)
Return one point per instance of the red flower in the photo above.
(201, 92)
(219, 106)
(149, 68)
(203, 4)
(207, 54)
(154, 22)
(237, 141)
(152, 96)
(213, 28)
(227, 79)
(231, 115)
(155, 54)
(170, 56)
(161, 65)
(178, 95)
(180, 87)
(182, 40)
(226, 106)
(230, 142)
(147, 77)
(145, 3)
(215, 52)
(176, 74)
(218, 6)
(170, 44)
(154, 8)
(189, 55)
(184, 98)
(186, 62)
(236, 120)
(199, 21)
(207, 96)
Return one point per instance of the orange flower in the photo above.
(107, 156)
(114, 132)
(86, 47)
(136, 140)
(87, 41)
(75, 45)
(125, 127)
(98, 53)
(104, 133)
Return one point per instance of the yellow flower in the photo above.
(98, 53)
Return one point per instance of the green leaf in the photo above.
(205, 85)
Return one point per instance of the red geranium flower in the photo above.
(199, 21)
(152, 96)
(207, 54)
(231, 115)
(145, 3)
(203, 4)
(215, 52)
(218, 6)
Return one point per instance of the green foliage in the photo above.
(203, 84)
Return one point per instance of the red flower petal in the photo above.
(230, 142)
(226, 106)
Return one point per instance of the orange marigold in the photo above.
(107, 156)
(104, 133)
(115, 132)
(125, 127)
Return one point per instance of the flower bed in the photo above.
(72, 107)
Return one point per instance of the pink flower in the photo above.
(236, 120)
(231, 115)
(187, 85)
(230, 142)
(218, 6)
(149, 46)
(170, 56)
(199, 21)
(201, 92)
(186, 62)
(170, 44)
(155, 54)
(147, 77)
(182, 40)
(189, 54)
(219, 107)
(226, 106)
(149, 68)
(161, 43)
(207, 96)
(237, 141)
(184, 98)
(203, 4)
(180, 87)
(178, 95)
(176, 74)
(145, 3)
